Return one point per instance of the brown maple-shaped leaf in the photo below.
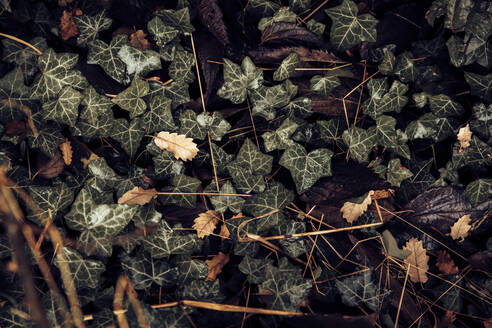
(352, 211)
(205, 223)
(445, 263)
(138, 196)
(138, 40)
(52, 168)
(66, 149)
(464, 137)
(182, 147)
(215, 265)
(67, 26)
(461, 228)
(418, 260)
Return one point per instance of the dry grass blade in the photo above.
(205, 223)
(138, 196)
(418, 260)
(182, 147)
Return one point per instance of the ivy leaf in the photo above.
(101, 127)
(143, 270)
(80, 210)
(47, 140)
(24, 57)
(131, 100)
(294, 247)
(301, 107)
(64, 109)
(95, 106)
(239, 79)
(56, 73)
(90, 26)
(478, 191)
(223, 203)
(280, 138)
(266, 99)
(189, 269)
(161, 32)
(104, 175)
(456, 13)
(331, 131)
(189, 125)
(177, 91)
(480, 85)
(316, 27)
(242, 249)
(128, 134)
(283, 14)
(396, 173)
(358, 290)
(383, 100)
(159, 116)
(13, 93)
(422, 128)
(262, 8)
(181, 184)
(201, 290)
(360, 142)
(385, 131)
(165, 165)
(442, 105)
(139, 62)
(299, 5)
(405, 68)
(178, 19)
(85, 272)
(287, 67)
(106, 56)
(306, 168)
(481, 123)
(478, 154)
(255, 269)
(165, 241)
(249, 167)
(181, 67)
(272, 201)
(349, 29)
(54, 199)
(213, 123)
(324, 84)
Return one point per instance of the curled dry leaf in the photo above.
(445, 263)
(215, 265)
(352, 211)
(461, 228)
(66, 150)
(182, 147)
(418, 260)
(205, 223)
(138, 40)
(138, 196)
(52, 168)
(464, 137)
(67, 26)
(224, 232)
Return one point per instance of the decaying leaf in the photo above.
(352, 211)
(86, 161)
(66, 150)
(445, 263)
(138, 40)
(215, 265)
(205, 223)
(464, 137)
(461, 228)
(67, 26)
(418, 260)
(224, 232)
(138, 196)
(182, 147)
(52, 168)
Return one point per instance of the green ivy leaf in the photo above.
(481, 123)
(162, 33)
(24, 57)
(159, 117)
(349, 29)
(443, 106)
(166, 165)
(249, 167)
(383, 100)
(90, 26)
(13, 92)
(177, 91)
(456, 13)
(131, 100)
(283, 14)
(213, 123)
(95, 105)
(306, 168)
(280, 138)
(266, 99)
(181, 68)
(47, 140)
(360, 142)
(396, 173)
(300, 107)
(404, 67)
(80, 210)
(316, 27)
(85, 272)
(139, 62)
(104, 175)
(101, 127)
(242, 249)
(294, 247)
(262, 8)
(324, 84)
(385, 131)
(64, 109)
(422, 128)
(128, 134)
(189, 269)
(478, 191)
(181, 184)
(239, 79)
(358, 290)
(287, 67)
(222, 203)
(189, 125)
(178, 19)
(480, 85)
(165, 241)
(255, 269)
(106, 56)
(331, 131)
(201, 290)
(54, 199)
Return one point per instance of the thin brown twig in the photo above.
(11, 37)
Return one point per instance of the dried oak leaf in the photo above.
(138, 40)
(464, 137)
(215, 265)
(138, 196)
(461, 228)
(66, 149)
(182, 147)
(67, 26)
(205, 223)
(352, 211)
(445, 263)
(52, 168)
(418, 260)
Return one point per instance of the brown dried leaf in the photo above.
(66, 149)
(86, 161)
(352, 211)
(418, 260)
(282, 32)
(138, 40)
(138, 196)
(461, 228)
(205, 223)
(182, 147)
(382, 194)
(67, 26)
(464, 137)
(215, 265)
(224, 232)
(445, 263)
(275, 55)
(52, 168)
(447, 319)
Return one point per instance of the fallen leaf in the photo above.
(352, 211)
(464, 137)
(205, 223)
(67, 26)
(138, 40)
(215, 265)
(445, 263)
(263, 291)
(16, 128)
(66, 150)
(52, 168)
(224, 232)
(137, 196)
(447, 319)
(460, 229)
(86, 161)
(418, 260)
(182, 147)
(382, 194)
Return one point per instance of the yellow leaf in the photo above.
(182, 147)
(461, 227)
(205, 223)
(418, 260)
(137, 196)
(352, 211)
(215, 265)
(464, 137)
(66, 150)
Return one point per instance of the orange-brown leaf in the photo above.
(464, 137)
(138, 40)
(215, 265)
(67, 26)
(182, 147)
(352, 211)
(418, 260)
(205, 223)
(52, 168)
(224, 232)
(445, 263)
(137, 196)
(66, 149)
(86, 161)
(461, 228)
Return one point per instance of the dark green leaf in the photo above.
(162, 33)
(324, 84)
(64, 109)
(131, 100)
(90, 26)
(50, 199)
(478, 191)
(178, 19)
(129, 135)
(144, 270)
(280, 138)
(358, 290)
(106, 56)
(138, 62)
(165, 241)
(239, 79)
(480, 85)
(287, 67)
(222, 203)
(95, 105)
(181, 184)
(266, 99)
(360, 142)
(85, 272)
